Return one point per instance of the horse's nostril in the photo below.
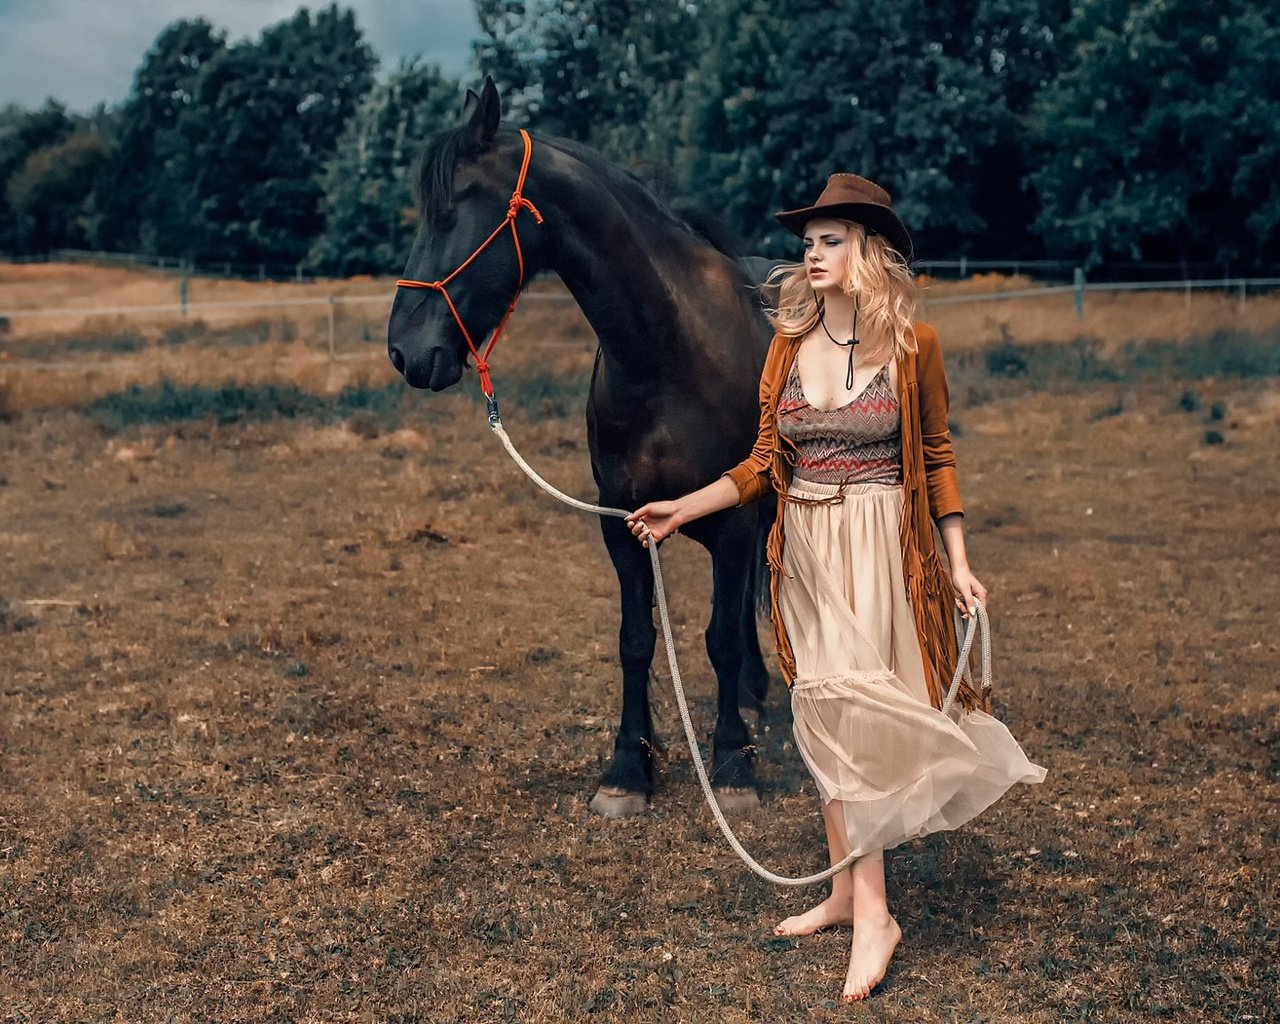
(397, 360)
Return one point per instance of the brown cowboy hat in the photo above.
(850, 197)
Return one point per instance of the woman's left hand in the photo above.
(970, 589)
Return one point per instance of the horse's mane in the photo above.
(435, 179)
(440, 163)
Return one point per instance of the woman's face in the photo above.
(826, 253)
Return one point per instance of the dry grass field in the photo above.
(302, 701)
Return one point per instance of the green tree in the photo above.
(141, 202)
(725, 117)
(922, 97)
(1161, 137)
(264, 121)
(369, 214)
(605, 72)
(22, 133)
(50, 194)
(756, 103)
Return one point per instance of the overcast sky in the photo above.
(83, 51)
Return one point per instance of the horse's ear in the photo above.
(481, 117)
(469, 105)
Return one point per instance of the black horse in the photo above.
(674, 393)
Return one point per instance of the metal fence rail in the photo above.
(1234, 286)
(960, 266)
(1239, 286)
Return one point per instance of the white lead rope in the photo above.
(977, 623)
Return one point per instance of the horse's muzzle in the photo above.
(435, 369)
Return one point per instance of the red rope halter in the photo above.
(518, 202)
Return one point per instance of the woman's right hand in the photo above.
(655, 521)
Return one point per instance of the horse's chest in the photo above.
(647, 458)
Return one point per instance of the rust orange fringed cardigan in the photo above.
(930, 491)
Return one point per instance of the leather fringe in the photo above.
(929, 589)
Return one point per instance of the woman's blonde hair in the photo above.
(875, 273)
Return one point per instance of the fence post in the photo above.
(1242, 288)
(262, 272)
(1078, 281)
(182, 294)
(963, 266)
(331, 308)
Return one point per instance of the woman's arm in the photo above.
(659, 519)
(952, 529)
(941, 482)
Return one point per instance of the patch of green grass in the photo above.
(234, 403)
(1222, 354)
(386, 402)
(543, 394)
(1055, 365)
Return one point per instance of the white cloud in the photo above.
(83, 52)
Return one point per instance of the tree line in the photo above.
(1087, 130)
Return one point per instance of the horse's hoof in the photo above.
(612, 802)
(737, 800)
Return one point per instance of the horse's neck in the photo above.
(628, 268)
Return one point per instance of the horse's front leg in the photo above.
(730, 539)
(627, 785)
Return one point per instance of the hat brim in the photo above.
(879, 219)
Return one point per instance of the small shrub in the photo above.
(129, 341)
(188, 330)
(1228, 354)
(546, 395)
(384, 402)
(1007, 359)
(1109, 412)
(1189, 402)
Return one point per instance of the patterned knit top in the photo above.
(858, 443)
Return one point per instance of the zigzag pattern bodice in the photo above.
(858, 443)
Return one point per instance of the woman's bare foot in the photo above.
(827, 914)
(873, 946)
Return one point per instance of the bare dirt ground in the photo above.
(300, 718)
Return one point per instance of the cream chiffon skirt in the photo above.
(898, 767)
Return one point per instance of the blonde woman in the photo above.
(854, 441)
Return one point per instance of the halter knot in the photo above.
(518, 203)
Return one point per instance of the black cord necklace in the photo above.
(848, 378)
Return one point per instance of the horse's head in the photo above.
(468, 176)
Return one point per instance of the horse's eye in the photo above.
(441, 220)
